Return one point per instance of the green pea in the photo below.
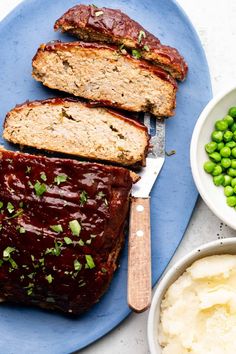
(217, 170)
(211, 147)
(231, 172)
(215, 156)
(221, 125)
(225, 151)
(228, 136)
(231, 144)
(220, 146)
(231, 201)
(229, 120)
(233, 127)
(233, 182)
(209, 166)
(233, 152)
(226, 162)
(233, 163)
(218, 180)
(234, 135)
(232, 112)
(228, 191)
(227, 180)
(234, 189)
(217, 136)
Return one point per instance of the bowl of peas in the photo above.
(213, 156)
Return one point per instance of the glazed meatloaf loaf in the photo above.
(101, 73)
(62, 225)
(70, 126)
(90, 23)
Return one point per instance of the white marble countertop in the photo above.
(216, 26)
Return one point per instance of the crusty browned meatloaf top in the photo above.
(61, 229)
(91, 23)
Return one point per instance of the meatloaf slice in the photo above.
(90, 23)
(101, 73)
(73, 127)
(62, 225)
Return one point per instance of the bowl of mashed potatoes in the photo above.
(193, 310)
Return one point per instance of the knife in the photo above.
(139, 249)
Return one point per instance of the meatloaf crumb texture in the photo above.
(73, 127)
(101, 73)
(90, 23)
(61, 230)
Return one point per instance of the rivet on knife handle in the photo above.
(139, 257)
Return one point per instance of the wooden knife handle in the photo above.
(139, 255)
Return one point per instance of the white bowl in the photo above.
(224, 246)
(213, 196)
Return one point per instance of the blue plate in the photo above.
(26, 330)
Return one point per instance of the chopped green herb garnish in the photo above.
(170, 153)
(28, 169)
(21, 204)
(29, 288)
(68, 240)
(31, 275)
(22, 230)
(89, 260)
(30, 291)
(136, 54)
(18, 213)
(1, 205)
(43, 176)
(49, 278)
(22, 277)
(75, 227)
(98, 13)
(41, 261)
(146, 47)
(103, 270)
(10, 207)
(81, 242)
(30, 184)
(101, 195)
(8, 251)
(55, 251)
(88, 242)
(60, 178)
(141, 35)
(83, 197)
(13, 263)
(77, 265)
(56, 228)
(40, 188)
(32, 257)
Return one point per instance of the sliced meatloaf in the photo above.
(73, 127)
(90, 23)
(62, 225)
(100, 73)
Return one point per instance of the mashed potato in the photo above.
(198, 312)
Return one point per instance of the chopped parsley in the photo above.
(56, 228)
(29, 288)
(43, 176)
(18, 213)
(40, 188)
(49, 278)
(60, 179)
(13, 263)
(22, 230)
(7, 252)
(141, 35)
(136, 54)
(68, 240)
(10, 207)
(170, 153)
(55, 251)
(89, 260)
(28, 169)
(103, 270)
(21, 204)
(83, 197)
(81, 242)
(88, 242)
(1, 205)
(101, 194)
(75, 227)
(98, 13)
(146, 47)
(77, 265)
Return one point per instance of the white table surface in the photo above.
(216, 26)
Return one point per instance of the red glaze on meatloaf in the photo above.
(61, 230)
(90, 23)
